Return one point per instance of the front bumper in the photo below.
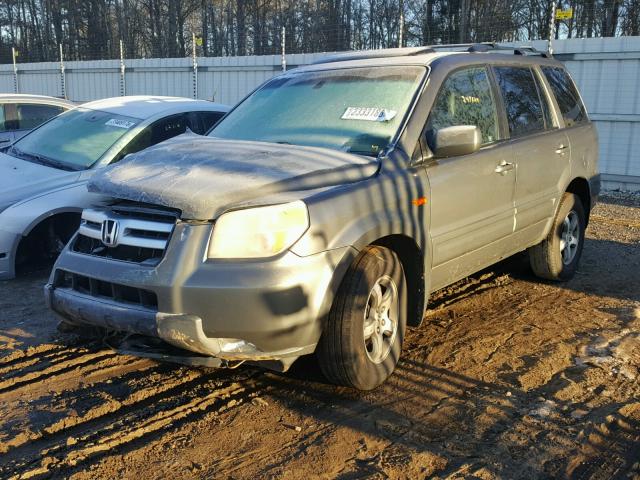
(236, 310)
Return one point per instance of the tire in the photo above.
(557, 256)
(348, 355)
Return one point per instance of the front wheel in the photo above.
(557, 256)
(361, 344)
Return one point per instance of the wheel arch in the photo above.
(63, 221)
(412, 260)
(52, 215)
(579, 186)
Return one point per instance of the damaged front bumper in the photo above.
(256, 311)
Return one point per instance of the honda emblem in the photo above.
(109, 233)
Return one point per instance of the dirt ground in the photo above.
(508, 377)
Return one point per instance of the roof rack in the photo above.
(482, 47)
(487, 47)
(382, 53)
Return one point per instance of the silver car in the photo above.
(43, 175)
(20, 113)
(322, 211)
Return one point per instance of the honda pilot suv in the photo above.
(322, 211)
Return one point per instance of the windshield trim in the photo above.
(401, 128)
(409, 112)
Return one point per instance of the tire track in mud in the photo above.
(56, 368)
(616, 445)
(104, 402)
(32, 354)
(114, 424)
(31, 361)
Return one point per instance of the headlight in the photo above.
(258, 232)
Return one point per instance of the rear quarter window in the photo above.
(566, 93)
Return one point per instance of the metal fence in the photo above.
(606, 69)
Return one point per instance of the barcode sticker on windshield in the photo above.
(114, 122)
(370, 114)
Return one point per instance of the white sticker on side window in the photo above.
(370, 114)
(114, 122)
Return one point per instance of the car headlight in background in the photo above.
(258, 232)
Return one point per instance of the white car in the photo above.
(21, 113)
(43, 174)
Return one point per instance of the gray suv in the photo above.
(319, 214)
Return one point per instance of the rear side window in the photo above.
(157, 132)
(566, 94)
(521, 100)
(30, 115)
(466, 99)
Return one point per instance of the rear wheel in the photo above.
(361, 344)
(557, 256)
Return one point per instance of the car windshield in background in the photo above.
(74, 140)
(356, 110)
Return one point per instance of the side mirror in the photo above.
(456, 141)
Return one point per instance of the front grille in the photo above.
(142, 233)
(101, 289)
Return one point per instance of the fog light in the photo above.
(235, 345)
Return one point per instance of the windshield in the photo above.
(356, 110)
(74, 140)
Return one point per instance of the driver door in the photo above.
(472, 209)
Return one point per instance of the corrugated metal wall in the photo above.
(607, 70)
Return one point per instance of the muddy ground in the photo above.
(508, 377)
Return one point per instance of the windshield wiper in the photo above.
(366, 153)
(41, 159)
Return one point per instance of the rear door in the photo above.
(471, 200)
(540, 148)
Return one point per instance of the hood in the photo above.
(20, 179)
(203, 176)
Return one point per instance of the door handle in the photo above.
(561, 148)
(503, 167)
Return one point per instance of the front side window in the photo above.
(209, 119)
(521, 100)
(30, 115)
(466, 99)
(74, 140)
(357, 110)
(567, 96)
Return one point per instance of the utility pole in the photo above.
(123, 85)
(552, 25)
(284, 51)
(14, 54)
(195, 66)
(63, 83)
